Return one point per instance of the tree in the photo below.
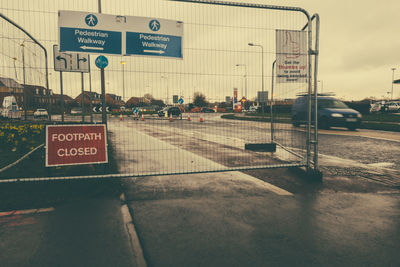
(148, 96)
(199, 100)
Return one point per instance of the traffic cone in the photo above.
(120, 117)
(189, 117)
(142, 118)
(166, 114)
(201, 119)
(170, 118)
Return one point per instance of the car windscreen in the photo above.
(331, 103)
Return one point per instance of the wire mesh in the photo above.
(218, 68)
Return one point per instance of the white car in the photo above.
(392, 107)
(40, 112)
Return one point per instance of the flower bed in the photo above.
(20, 137)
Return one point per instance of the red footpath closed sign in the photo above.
(75, 144)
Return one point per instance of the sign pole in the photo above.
(82, 98)
(103, 87)
(90, 90)
(103, 97)
(62, 97)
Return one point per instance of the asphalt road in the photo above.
(158, 146)
(274, 217)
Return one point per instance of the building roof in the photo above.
(10, 83)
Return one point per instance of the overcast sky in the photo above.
(359, 45)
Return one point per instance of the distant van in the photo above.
(10, 108)
(331, 112)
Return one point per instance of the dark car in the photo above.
(207, 110)
(331, 112)
(174, 111)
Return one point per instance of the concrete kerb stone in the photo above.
(133, 236)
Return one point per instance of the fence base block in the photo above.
(266, 147)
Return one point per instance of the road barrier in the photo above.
(199, 57)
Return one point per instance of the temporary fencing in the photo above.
(161, 115)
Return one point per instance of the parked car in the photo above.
(331, 112)
(10, 108)
(375, 107)
(207, 110)
(174, 111)
(391, 107)
(40, 113)
(195, 110)
(76, 111)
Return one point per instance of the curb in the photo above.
(133, 236)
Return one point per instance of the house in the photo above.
(114, 100)
(87, 96)
(138, 102)
(11, 87)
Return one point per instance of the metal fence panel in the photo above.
(218, 64)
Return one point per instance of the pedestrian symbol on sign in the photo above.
(154, 25)
(91, 20)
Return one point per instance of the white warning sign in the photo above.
(291, 56)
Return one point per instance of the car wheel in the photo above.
(295, 122)
(352, 128)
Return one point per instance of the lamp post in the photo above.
(123, 80)
(262, 68)
(166, 78)
(23, 73)
(391, 95)
(245, 77)
(322, 85)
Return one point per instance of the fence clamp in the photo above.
(314, 52)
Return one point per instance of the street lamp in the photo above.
(393, 69)
(123, 79)
(322, 85)
(262, 69)
(245, 77)
(262, 63)
(166, 78)
(23, 73)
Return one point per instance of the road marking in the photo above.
(24, 212)
(381, 164)
(266, 185)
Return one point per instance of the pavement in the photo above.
(66, 223)
(234, 219)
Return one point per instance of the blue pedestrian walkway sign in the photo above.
(154, 37)
(101, 62)
(119, 35)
